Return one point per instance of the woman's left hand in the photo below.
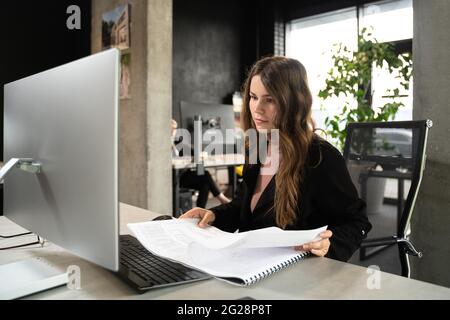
(320, 247)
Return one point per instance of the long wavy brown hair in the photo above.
(286, 81)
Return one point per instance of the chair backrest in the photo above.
(379, 154)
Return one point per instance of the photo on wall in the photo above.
(116, 28)
(125, 76)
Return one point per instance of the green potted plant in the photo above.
(351, 76)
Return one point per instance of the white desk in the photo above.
(313, 278)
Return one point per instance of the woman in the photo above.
(311, 187)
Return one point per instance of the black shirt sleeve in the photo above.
(336, 197)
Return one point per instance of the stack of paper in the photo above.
(222, 254)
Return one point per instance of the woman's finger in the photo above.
(187, 215)
(193, 213)
(204, 222)
(314, 245)
(319, 253)
(326, 234)
(208, 217)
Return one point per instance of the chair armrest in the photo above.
(403, 243)
(377, 242)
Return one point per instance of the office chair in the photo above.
(384, 152)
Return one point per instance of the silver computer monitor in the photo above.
(66, 119)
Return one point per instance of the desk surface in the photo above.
(313, 278)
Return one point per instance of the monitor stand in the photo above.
(27, 277)
(25, 164)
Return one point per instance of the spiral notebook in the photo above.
(239, 258)
(245, 266)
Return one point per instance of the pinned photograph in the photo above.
(116, 28)
(125, 76)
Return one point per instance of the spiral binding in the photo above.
(262, 275)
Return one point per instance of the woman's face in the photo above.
(262, 105)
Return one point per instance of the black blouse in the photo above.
(327, 197)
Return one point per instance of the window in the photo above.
(391, 21)
(311, 39)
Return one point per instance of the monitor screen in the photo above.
(66, 119)
(216, 120)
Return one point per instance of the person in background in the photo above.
(203, 183)
(312, 186)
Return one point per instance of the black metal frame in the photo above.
(401, 239)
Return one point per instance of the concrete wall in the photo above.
(143, 144)
(431, 218)
(132, 121)
(159, 105)
(206, 51)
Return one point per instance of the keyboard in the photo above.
(143, 270)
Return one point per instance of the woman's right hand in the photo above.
(206, 216)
